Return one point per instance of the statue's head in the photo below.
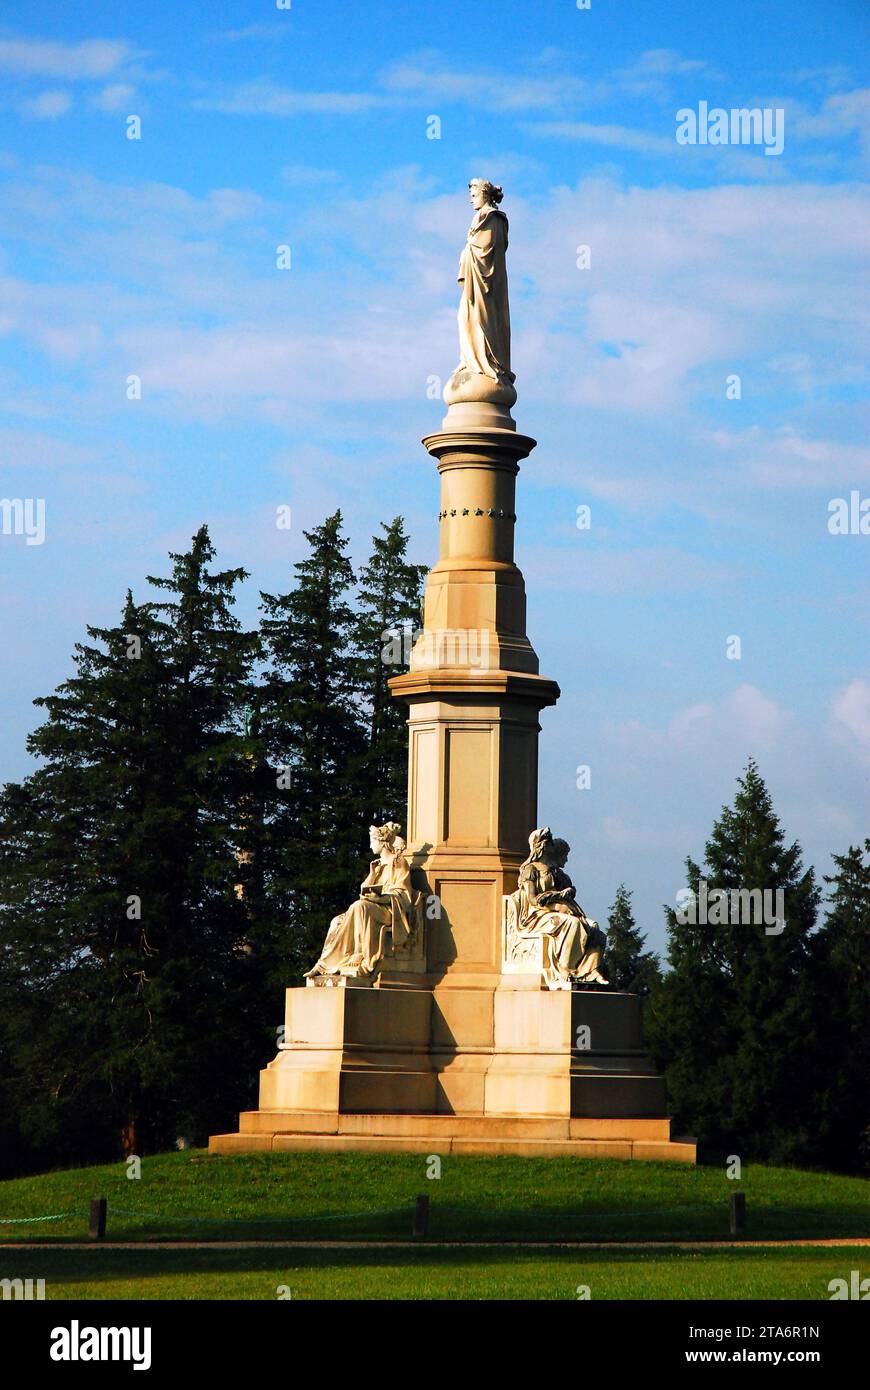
(482, 193)
(557, 853)
(539, 842)
(383, 837)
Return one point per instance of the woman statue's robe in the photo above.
(355, 940)
(484, 316)
(575, 943)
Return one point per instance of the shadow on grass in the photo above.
(427, 1272)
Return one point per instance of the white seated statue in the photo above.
(383, 920)
(545, 929)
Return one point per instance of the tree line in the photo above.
(199, 812)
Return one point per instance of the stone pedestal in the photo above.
(464, 1071)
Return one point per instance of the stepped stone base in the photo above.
(461, 1070)
(279, 1131)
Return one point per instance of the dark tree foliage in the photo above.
(842, 966)
(128, 978)
(628, 966)
(313, 730)
(389, 609)
(735, 1021)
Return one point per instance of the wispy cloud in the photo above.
(787, 457)
(263, 97)
(48, 106)
(266, 32)
(117, 96)
(613, 136)
(94, 58)
(441, 81)
(851, 714)
(655, 72)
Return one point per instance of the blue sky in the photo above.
(308, 387)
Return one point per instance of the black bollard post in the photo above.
(98, 1219)
(737, 1213)
(421, 1218)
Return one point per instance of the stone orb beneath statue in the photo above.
(476, 400)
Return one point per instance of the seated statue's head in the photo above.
(482, 194)
(383, 837)
(539, 842)
(557, 853)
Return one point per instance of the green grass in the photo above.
(365, 1196)
(432, 1273)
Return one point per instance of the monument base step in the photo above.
(443, 1126)
(680, 1151)
(530, 1136)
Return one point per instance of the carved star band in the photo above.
(501, 514)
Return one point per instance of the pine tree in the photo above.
(689, 1025)
(124, 971)
(389, 606)
(314, 735)
(734, 1020)
(629, 966)
(842, 977)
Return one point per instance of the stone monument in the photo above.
(461, 1003)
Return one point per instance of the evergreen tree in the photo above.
(389, 607)
(628, 966)
(314, 734)
(689, 1024)
(734, 1020)
(842, 975)
(125, 975)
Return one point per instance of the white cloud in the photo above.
(116, 97)
(844, 113)
(653, 73)
(745, 722)
(787, 458)
(851, 713)
(263, 97)
(93, 58)
(269, 32)
(442, 82)
(48, 106)
(613, 136)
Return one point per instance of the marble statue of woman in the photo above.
(484, 315)
(548, 906)
(354, 944)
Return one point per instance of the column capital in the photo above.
(479, 442)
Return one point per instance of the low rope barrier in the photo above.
(31, 1220)
(338, 1216)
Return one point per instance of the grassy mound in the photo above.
(356, 1196)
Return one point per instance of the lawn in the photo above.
(432, 1273)
(365, 1196)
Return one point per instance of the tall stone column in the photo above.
(474, 696)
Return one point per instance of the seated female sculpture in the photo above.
(354, 944)
(547, 907)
